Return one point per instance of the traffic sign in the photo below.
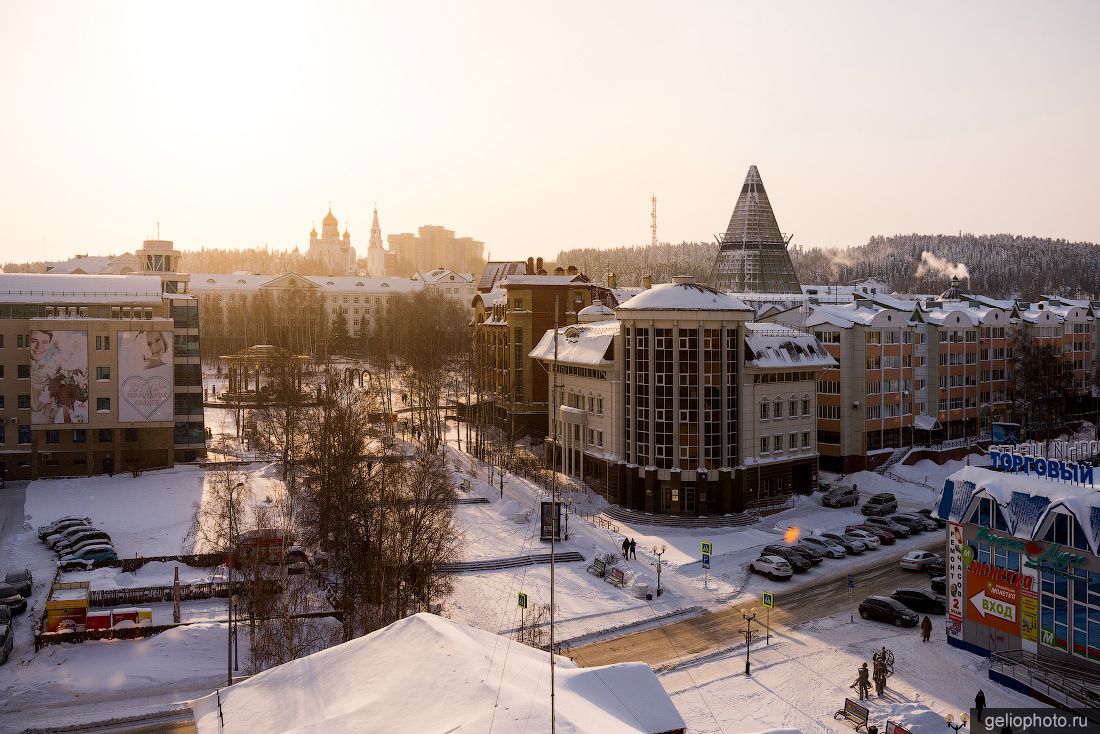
(769, 599)
(706, 560)
(706, 548)
(851, 581)
(522, 600)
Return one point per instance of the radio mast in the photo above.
(653, 220)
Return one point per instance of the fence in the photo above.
(198, 560)
(152, 594)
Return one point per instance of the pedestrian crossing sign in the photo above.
(706, 548)
(522, 600)
(769, 599)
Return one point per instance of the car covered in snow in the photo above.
(11, 599)
(828, 548)
(880, 504)
(62, 524)
(54, 539)
(917, 560)
(850, 543)
(67, 544)
(868, 538)
(841, 497)
(772, 566)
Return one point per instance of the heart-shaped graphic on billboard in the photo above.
(146, 394)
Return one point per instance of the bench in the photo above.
(598, 567)
(854, 712)
(615, 576)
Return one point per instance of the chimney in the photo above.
(647, 282)
(538, 264)
(531, 265)
(611, 280)
(558, 270)
(572, 270)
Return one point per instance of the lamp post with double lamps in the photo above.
(964, 719)
(659, 552)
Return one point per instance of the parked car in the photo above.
(889, 610)
(21, 580)
(87, 558)
(884, 536)
(937, 568)
(72, 541)
(848, 543)
(926, 523)
(939, 584)
(798, 562)
(61, 525)
(921, 600)
(915, 526)
(813, 553)
(84, 544)
(896, 529)
(841, 497)
(827, 547)
(772, 566)
(296, 560)
(880, 504)
(929, 514)
(61, 537)
(866, 537)
(917, 560)
(12, 599)
(5, 614)
(6, 637)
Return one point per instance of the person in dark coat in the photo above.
(626, 547)
(925, 629)
(979, 702)
(864, 682)
(633, 549)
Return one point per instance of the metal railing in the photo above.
(1070, 686)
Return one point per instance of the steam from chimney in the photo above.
(930, 263)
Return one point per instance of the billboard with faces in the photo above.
(145, 376)
(59, 376)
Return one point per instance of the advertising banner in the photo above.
(956, 574)
(993, 603)
(145, 376)
(1029, 616)
(59, 377)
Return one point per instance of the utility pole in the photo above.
(553, 509)
(749, 618)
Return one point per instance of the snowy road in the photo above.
(673, 641)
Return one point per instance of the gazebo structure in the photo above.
(254, 371)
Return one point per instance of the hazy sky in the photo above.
(541, 126)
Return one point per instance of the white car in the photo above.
(917, 560)
(869, 540)
(826, 546)
(772, 566)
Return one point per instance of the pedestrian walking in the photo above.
(633, 549)
(925, 629)
(979, 703)
(864, 682)
(626, 548)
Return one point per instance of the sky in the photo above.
(537, 127)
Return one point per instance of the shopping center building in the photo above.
(1023, 580)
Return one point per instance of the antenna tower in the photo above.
(653, 220)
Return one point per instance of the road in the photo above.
(878, 574)
(12, 498)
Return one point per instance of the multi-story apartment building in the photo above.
(436, 247)
(674, 402)
(99, 373)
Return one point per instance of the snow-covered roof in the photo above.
(496, 271)
(429, 674)
(683, 297)
(440, 275)
(56, 288)
(848, 314)
(94, 264)
(1025, 500)
(583, 344)
(528, 280)
(925, 422)
(768, 346)
(247, 283)
(493, 297)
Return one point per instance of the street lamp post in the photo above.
(659, 552)
(233, 602)
(231, 561)
(964, 719)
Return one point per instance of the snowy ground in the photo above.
(803, 676)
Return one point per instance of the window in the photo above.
(792, 441)
(777, 442)
(829, 387)
(103, 343)
(106, 435)
(103, 373)
(805, 407)
(53, 436)
(792, 408)
(763, 410)
(805, 439)
(3, 438)
(80, 435)
(24, 402)
(21, 341)
(829, 412)
(763, 444)
(1, 372)
(24, 434)
(874, 412)
(778, 408)
(23, 371)
(102, 405)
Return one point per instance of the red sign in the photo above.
(994, 603)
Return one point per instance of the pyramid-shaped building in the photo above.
(753, 255)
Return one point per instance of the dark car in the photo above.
(920, 600)
(815, 555)
(797, 560)
(915, 526)
(898, 530)
(939, 584)
(880, 504)
(884, 536)
(928, 513)
(937, 567)
(841, 497)
(889, 610)
(11, 598)
(21, 580)
(63, 536)
(65, 547)
(926, 522)
(6, 637)
(62, 523)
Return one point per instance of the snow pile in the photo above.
(426, 673)
(683, 297)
